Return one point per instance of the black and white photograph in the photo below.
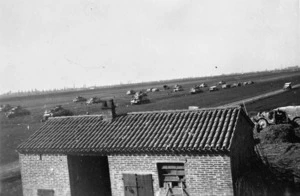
(150, 98)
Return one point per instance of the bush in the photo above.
(283, 133)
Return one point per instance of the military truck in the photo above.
(287, 86)
(17, 111)
(195, 90)
(79, 99)
(56, 111)
(177, 88)
(275, 116)
(5, 108)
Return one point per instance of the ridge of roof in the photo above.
(76, 116)
(186, 110)
(150, 112)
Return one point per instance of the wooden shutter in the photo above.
(145, 185)
(130, 186)
(138, 185)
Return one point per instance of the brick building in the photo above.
(183, 152)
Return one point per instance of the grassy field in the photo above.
(287, 98)
(14, 131)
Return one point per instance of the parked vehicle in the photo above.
(225, 86)
(293, 112)
(56, 111)
(195, 90)
(130, 92)
(203, 85)
(166, 87)
(273, 117)
(139, 98)
(17, 111)
(221, 82)
(213, 88)
(177, 88)
(135, 101)
(149, 90)
(237, 84)
(94, 100)
(140, 93)
(5, 108)
(245, 83)
(287, 86)
(79, 99)
(250, 82)
(155, 90)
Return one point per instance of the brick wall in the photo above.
(205, 174)
(51, 172)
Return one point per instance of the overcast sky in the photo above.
(54, 44)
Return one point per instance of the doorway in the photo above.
(89, 175)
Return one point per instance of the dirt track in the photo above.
(259, 97)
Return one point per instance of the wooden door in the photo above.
(130, 186)
(138, 185)
(145, 185)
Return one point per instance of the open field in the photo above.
(16, 130)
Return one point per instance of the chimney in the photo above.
(108, 110)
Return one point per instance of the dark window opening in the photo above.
(171, 175)
(45, 192)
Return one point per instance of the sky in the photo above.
(46, 44)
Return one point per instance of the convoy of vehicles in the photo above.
(262, 119)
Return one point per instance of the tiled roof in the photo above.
(140, 132)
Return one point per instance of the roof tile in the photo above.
(139, 132)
